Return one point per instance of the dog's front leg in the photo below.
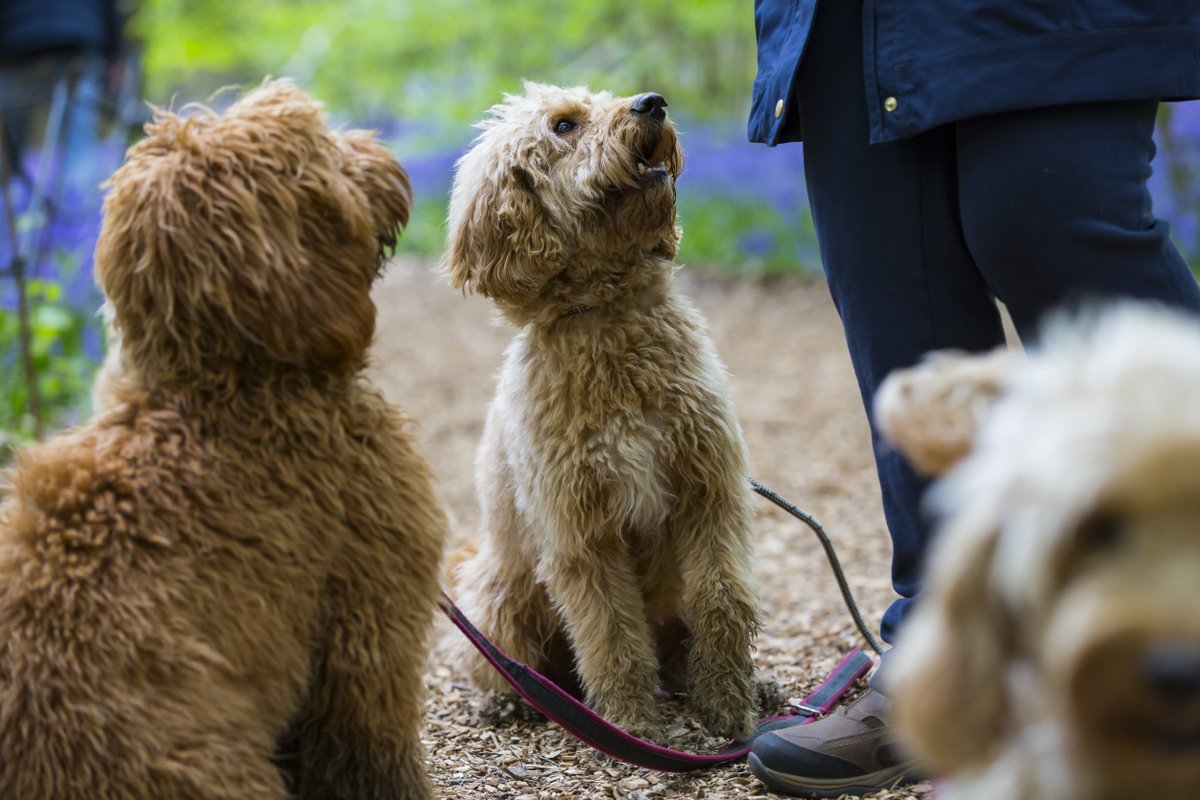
(592, 581)
(720, 605)
(358, 737)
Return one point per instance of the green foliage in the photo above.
(64, 371)
(746, 238)
(426, 231)
(425, 71)
(452, 59)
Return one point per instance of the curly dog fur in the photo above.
(612, 474)
(1056, 651)
(221, 585)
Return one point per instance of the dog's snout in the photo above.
(651, 104)
(1172, 671)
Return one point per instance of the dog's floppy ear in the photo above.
(501, 242)
(947, 674)
(931, 412)
(383, 180)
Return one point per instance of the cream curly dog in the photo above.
(1056, 652)
(220, 586)
(612, 475)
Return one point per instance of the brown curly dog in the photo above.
(220, 586)
(617, 532)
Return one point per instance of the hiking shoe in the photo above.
(852, 751)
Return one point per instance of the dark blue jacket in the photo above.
(934, 61)
(28, 27)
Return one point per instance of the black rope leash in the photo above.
(838, 573)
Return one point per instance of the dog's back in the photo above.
(233, 566)
(162, 582)
(118, 606)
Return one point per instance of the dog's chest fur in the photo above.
(603, 409)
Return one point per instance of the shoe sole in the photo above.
(831, 787)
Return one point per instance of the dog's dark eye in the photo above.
(1100, 532)
(563, 126)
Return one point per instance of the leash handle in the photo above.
(586, 725)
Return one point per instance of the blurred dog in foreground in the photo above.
(612, 474)
(220, 586)
(1056, 651)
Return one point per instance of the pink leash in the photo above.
(588, 726)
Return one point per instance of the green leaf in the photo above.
(50, 320)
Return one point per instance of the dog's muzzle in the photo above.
(650, 166)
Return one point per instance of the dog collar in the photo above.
(573, 310)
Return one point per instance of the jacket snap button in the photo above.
(778, 108)
(889, 104)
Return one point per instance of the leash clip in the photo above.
(811, 712)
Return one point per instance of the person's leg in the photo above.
(1056, 210)
(892, 249)
(904, 284)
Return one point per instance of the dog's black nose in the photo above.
(651, 103)
(1172, 671)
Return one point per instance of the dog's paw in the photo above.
(770, 695)
(736, 723)
(652, 730)
(643, 720)
(725, 696)
(730, 713)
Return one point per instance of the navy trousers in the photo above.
(920, 237)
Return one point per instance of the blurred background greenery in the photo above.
(421, 73)
(446, 61)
